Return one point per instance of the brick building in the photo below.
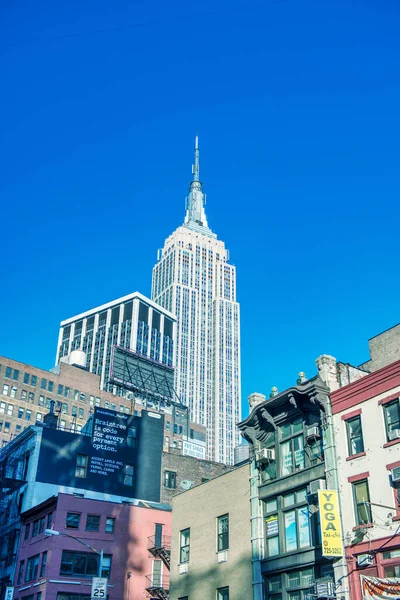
(26, 393)
(57, 567)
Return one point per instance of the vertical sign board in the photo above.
(99, 588)
(9, 593)
(331, 531)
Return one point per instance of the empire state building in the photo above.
(193, 280)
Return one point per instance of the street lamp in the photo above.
(99, 552)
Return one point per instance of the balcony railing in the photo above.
(160, 548)
(157, 586)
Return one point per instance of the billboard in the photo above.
(331, 530)
(121, 455)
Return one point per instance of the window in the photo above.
(66, 392)
(41, 401)
(43, 565)
(43, 384)
(355, 442)
(272, 527)
(28, 415)
(32, 568)
(292, 455)
(131, 438)
(81, 465)
(64, 408)
(49, 520)
(76, 394)
(128, 474)
(20, 571)
(50, 386)
(2, 408)
(31, 397)
(82, 397)
(74, 411)
(8, 372)
(13, 392)
(6, 387)
(26, 378)
(184, 553)
(223, 533)
(73, 520)
(60, 389)
(392, 419)
(110, 524)
(362, 508)
(7, 426)
(16, 374)
(92, 523)
(80, 413)
(39, 596)
(21, 412)
(91, 400)
(10, 410)
(39, 417)
(24, 395)
(35, 528)
(223, 593)
(41, 525)
(33, 379)
(170, 479)
(84, 564)
(157, 574)
(27, 531)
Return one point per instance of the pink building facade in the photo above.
(57, 567)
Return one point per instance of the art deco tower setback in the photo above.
(193, 280)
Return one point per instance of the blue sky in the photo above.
(297, 107)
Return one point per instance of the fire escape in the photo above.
(159, 547)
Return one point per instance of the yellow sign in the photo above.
(331, 531)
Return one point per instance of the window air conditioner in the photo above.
(265, 455)
(395, 474)
(365, 560)
(183, 568)
(314, 486)
(313, 433)
(222, 556)
(394, 434)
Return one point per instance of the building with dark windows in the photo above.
(366, 416)
(211, 548)
(59, 567)
(133, 322)
(293, 456)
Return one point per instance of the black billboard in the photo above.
(120, 455)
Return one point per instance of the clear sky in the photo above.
(297, 106)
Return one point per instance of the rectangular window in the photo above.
(128, 475)
(157, 573)
(392, 420)
(80, 413)
(49, 520)
(26, 378)
(41, 401)
(33, 379)
(110, 525)
(84, 564)
(81, 465)
(223, 593)
(43, 565)
(73, 520)
(223, 533)
(292, 455)
(272, 533)
(43, 384)
(2, 408)
(50, 386)
(5, 389)
(184, 553)
(21, 413)
(32, 568)
(74, 411)
(39, 417)
(35, 528)
(41, 524)
(10, 410)
(28, 415)
(13, 392)
(362, 508)
(170, 479)
(92, 523)
(20, 571)
(64, 408)
(31, 397)
(16, 374)
(60, 389)
(8, 372)
(76, 394)
(355, 442)
(24, 395)
(66, 392)
(27, 531)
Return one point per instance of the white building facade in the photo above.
(193, 279)
(133, 322)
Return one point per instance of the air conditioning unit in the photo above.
(394, 434)
(365, 560)
(222, 556)
(314, 486)
(265, 455)
(395, 474)
(313, 433)
(183, 568)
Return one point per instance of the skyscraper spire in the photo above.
(195, 214)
